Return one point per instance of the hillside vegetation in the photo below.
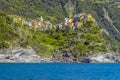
(51, 9)
(56, 11)
(88, 39)
(106, 13)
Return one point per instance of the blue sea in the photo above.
(59, 71)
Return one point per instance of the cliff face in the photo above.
(57, 44)
(62, 45)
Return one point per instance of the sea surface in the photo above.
(59, 71)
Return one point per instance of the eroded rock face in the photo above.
(104, 58)
(28, 55)
(22, 55)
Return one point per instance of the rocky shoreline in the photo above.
(28, 55)
(22, 55)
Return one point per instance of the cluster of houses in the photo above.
(70, 24)
(78, 21)
(33, 24)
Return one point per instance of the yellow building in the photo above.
(90, 18)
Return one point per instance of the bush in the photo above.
(24, 44)
(4, 44)
(44, 50)
(82, 48)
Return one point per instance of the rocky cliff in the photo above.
(83, 45)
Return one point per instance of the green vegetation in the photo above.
(7, 33)
(87, 39)
(52, 10)
(97, 8)
(56, 11)
(46, 42)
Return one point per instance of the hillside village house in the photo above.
(70, 24)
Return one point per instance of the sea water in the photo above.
(59, 71)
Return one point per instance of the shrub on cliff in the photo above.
(6, 30)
